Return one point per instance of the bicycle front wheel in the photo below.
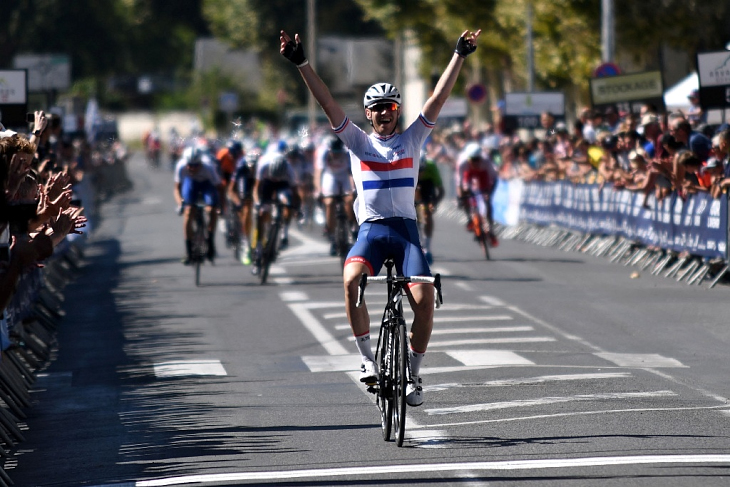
(481, 235)
(269, 252)
(400, 381)
(384, 397)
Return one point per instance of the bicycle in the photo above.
(392, 350)
(476, 223)
(199, 239)
(342, 229)
(271, 245)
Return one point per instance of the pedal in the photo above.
(372, 388)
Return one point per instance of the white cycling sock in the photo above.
(363, 345)
(416, 359)
(427, 244)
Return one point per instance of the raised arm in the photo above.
(294, 52)
(466, 45)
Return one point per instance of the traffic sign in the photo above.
(477, 93)
(605, 70)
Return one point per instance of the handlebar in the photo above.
(435, 280)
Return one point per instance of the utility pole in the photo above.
(312, 57)
(530, 51)
(608, 34)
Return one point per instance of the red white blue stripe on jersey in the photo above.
(376, 175)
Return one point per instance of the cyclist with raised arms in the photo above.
(196, 177)
(384, 166)
(331, 179)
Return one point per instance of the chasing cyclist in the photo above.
(240, 194)
(196, 178)
(384, 167)
(332, 178)
(429, 192)
(275, 179)
(476, 177)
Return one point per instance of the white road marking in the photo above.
(453, 319)
(333, 363)
(440, 270)
(338, 315)
(284, 281)
(311, 323)
(473, 358)
(543, 401)
(463, 285)
(489, 341)
(185, 368)
(649, 360)
(480, 329)
(289, 296)
(384, 471)
(530, 381)
(599, 412)
(276, 270)
(492, 301)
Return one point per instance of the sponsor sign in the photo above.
(13, 97)
(714, 75)
(628, 92)
(522, 110)
(45, 71)
(698, 224)
(13, 87)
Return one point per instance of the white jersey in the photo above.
(385, 169)
(207, 171)
(263, 169)
(332, 165)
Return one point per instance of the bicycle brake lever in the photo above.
(437, 286)
(361, 289)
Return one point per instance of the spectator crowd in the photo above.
(650, 152)
(45, 178)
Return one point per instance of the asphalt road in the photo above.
(545, 368)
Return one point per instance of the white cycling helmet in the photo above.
(472, 150)
(381, 92)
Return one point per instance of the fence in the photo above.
(28, 325)
(686, 238)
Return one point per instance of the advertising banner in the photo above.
(697, 224)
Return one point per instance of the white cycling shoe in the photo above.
(414, 392)
(369, 372)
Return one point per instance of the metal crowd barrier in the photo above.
(28, 329)
(699, 221)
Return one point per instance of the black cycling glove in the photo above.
(464, 47)
(294, 52)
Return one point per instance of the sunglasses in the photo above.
(379, 107)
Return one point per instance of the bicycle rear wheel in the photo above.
(400, 381)
(384, 395)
